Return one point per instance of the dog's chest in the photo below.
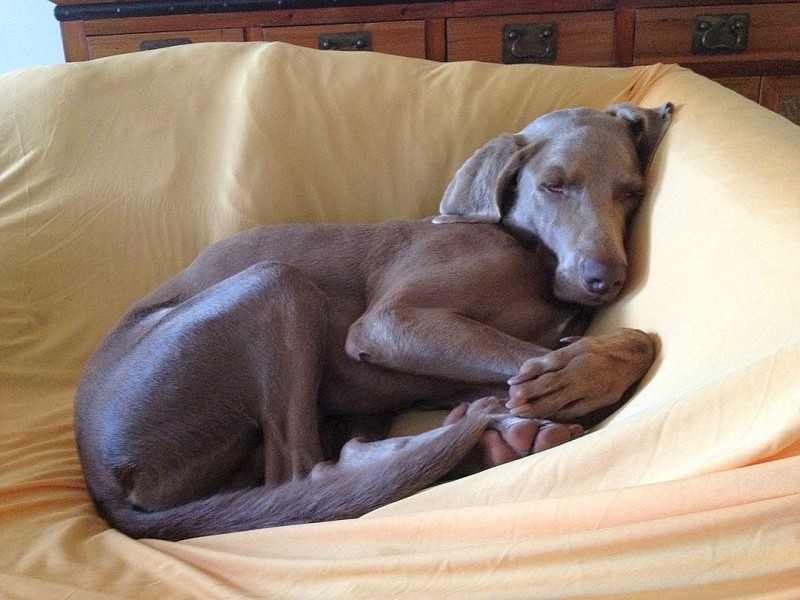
(517, 299)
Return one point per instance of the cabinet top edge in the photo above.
(88, 10)
(67, 10)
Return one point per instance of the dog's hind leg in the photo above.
(221, 382)
(292, 346)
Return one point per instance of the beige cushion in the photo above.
(115, 173)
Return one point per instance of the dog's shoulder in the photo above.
(457, 250)
(479, 239)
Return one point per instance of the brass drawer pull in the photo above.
(720, 34)
(529, 43)
(156, 44)
(354, 40)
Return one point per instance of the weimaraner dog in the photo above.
(223, 401)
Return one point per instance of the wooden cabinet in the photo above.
(577, 38)
(779, 94)
(99, 46)
(749, 87)
(782, 94)
(715, 39)
(754, 41)
(405, 38)
(751, 46)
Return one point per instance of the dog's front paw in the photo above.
(587, 374)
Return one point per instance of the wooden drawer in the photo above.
(585, 38)
(779, 94)
(782, 94)
(765, 32)
(108, 45)
(749, 87)
(405, 38)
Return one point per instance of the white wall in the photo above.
(29, 34)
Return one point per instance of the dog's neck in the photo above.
(530, 241)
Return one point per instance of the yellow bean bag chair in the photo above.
(114, 174)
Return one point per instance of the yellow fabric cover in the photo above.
(115, 173)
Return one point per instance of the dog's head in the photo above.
(571, 181)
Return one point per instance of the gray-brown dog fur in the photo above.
(212, 405)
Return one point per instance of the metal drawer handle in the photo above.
(156, 44)
(720, 34)
(354, 40)
(529, 43)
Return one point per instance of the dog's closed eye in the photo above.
(557, 188)
(555, 181)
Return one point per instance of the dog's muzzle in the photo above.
(602, 280)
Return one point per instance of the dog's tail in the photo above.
(332, 493)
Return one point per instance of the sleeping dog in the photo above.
(252, 389)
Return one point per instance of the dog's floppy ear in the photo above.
(647, 126)
(475, 194)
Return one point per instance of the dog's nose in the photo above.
(601, 277)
